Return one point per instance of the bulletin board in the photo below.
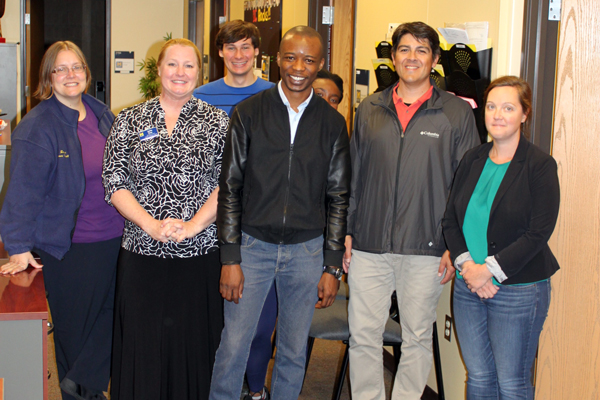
(266, 15)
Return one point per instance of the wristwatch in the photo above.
(337, 272)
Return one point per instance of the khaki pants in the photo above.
(372, 279)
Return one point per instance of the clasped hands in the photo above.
(479, 279)
(171, 229)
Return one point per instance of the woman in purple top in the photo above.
(55, 207)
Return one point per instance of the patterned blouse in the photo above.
(170, 176)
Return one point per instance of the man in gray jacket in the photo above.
(406, 146)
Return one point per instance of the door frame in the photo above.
(26, 90)
(538, 67)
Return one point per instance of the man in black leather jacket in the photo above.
(284, 194)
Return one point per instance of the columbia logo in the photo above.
(430, 134)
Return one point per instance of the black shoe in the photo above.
(80, 392)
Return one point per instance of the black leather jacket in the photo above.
(282, 193)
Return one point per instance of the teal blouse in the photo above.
(477, 215)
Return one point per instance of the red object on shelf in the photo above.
(2, 40)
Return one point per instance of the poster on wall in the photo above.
(124, 62)
(266, 15)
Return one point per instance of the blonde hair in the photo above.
(44, 89)
(181, 42)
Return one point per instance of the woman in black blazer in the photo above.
(501, 212)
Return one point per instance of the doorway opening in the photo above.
(83, 22)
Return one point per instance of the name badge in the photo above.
(148, 134)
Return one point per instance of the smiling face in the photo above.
(68, 88)
(299, 60)
(504, 114)
(178, 71)
(328, 90)
(413, 60)
(239, 57)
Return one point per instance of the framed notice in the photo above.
(266, 15)
(124, 62)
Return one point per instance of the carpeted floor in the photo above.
(320, 380)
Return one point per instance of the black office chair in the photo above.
(332, 324)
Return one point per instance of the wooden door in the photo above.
(339, 40)
(569, 354)
(342, 54)
(34, 51)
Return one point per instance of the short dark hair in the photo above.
(237, 30)
(335, 78)
(421, 31)
(306, 31)
(523, 91)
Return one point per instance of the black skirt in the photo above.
(168, 322)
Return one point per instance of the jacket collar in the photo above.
(515, 167)
(70, 116)
(274, 94)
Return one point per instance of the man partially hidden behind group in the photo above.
(281, 216)
(406, 146)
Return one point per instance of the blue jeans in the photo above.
(498, 338)
(296, 270)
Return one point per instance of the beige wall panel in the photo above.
(569, 354)
(372, 20)
(11, 27)
(236, 10)
(139, 26)
(293, 13)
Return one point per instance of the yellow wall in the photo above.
(504, 16)
(139, 26)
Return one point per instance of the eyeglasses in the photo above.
(62, 71)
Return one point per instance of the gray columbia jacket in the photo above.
(401, 179)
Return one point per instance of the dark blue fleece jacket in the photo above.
(47, 180)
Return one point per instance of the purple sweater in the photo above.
(96, 221)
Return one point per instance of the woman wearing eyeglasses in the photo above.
(55, 207)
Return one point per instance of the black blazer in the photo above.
(523, 213)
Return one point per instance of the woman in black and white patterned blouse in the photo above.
(161, 169)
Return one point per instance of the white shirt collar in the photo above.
(294, 116)
(302, 106)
